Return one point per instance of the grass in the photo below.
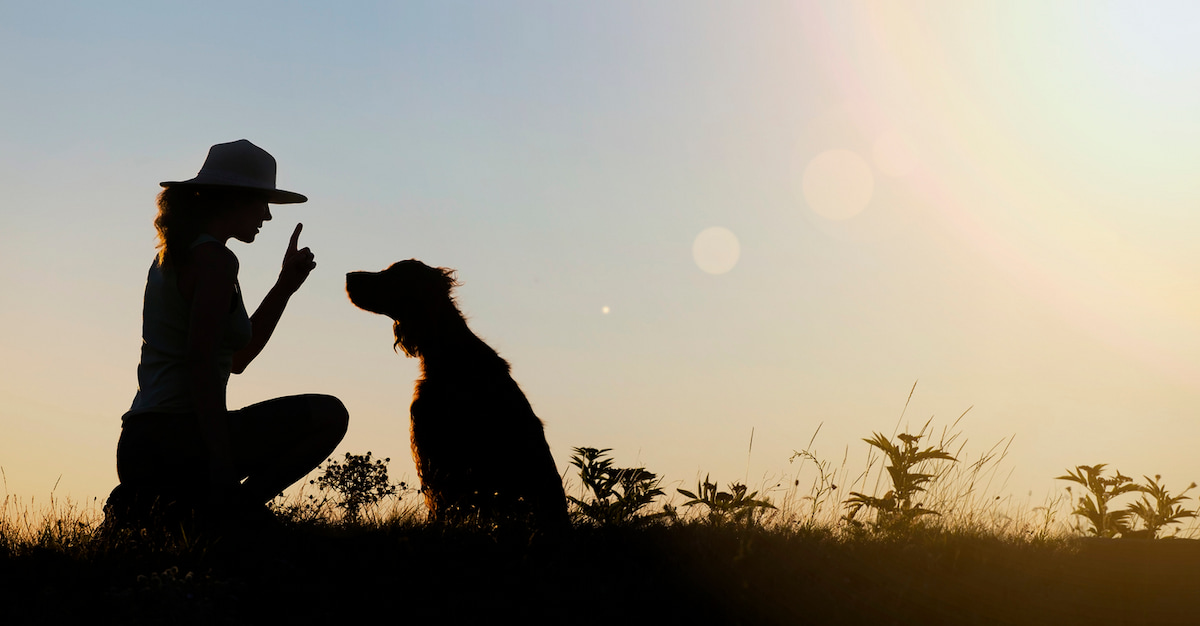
(684, 571)
(782, 554)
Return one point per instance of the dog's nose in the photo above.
(355, 282)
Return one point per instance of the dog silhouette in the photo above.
(480, 450)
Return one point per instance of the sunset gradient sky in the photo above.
(679, 221)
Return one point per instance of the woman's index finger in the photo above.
(295, 237)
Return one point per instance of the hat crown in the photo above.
(239, 163)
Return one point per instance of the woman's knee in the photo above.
(329, 414)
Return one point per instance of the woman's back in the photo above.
(162, 371)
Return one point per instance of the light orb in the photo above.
(716, 250)
(838, 184)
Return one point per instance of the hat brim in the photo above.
(274, 196)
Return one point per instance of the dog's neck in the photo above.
(444, 350)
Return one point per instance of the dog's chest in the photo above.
(465, 401)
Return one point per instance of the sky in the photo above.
(699, 231)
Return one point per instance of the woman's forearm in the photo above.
(262, 325)
(297, 263)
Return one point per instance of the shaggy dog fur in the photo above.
(479, 448)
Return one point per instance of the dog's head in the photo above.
(417, 297)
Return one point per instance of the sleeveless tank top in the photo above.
(163, 379)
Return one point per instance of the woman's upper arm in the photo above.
(213, 275)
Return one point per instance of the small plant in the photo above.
(1164, 511)
(1094, 505)
(357, 481)
(308, 509)
(823, 485)
(735, 504)
(896, 508)
(619, 493)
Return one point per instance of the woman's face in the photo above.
(246, 217)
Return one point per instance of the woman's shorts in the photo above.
(166, 452)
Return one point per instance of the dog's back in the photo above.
(479, 448)
(478, 445)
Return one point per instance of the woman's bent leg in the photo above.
(163, 468)
(277, 442)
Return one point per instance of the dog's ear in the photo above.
(449, 279)
(438, 299)
(431, 309)
(403, 341)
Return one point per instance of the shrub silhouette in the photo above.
(735, 504)
(896, 510)
(1093, 506)
(357, 482)
(618, 493)
(1165, 510)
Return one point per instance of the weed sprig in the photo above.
(1096, 505)
(735, 505)
(897, 509)
(618, 493)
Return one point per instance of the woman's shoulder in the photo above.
(213, 257)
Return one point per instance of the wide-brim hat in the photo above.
(243, 165)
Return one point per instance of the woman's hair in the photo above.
(183, 213)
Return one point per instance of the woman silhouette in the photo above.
(181, 451)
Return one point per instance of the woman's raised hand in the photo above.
(296, 263)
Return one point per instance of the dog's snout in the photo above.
(367, 293)
(354, 286)
(357, 280)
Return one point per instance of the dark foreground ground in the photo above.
(677, 574)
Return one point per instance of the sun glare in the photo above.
(893, 154)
